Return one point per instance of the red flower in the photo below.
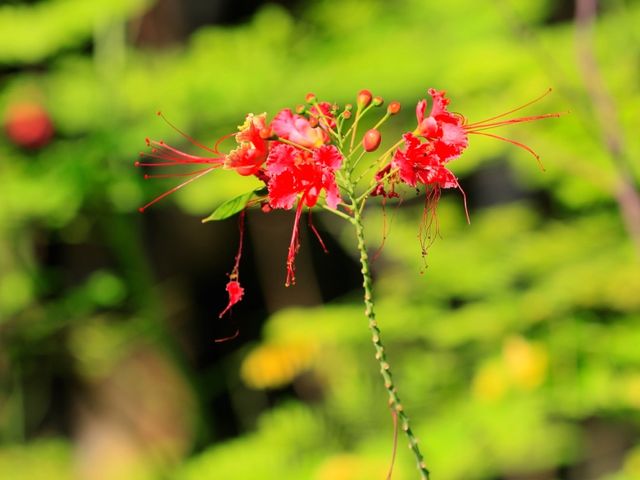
(246, 159)
(446, 137)
(449, 131)
(445, 130)
(420, 163)
(297, 129)
(295, 171)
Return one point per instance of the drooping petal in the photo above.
(235, 292)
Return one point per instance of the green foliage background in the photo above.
(516, 352)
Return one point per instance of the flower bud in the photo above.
(310, 98)
(300, 109)
(364, 98)
(377, 101)
(371, 140)
(346, 114)
(313, 121)
(348, 107)
(393, 108)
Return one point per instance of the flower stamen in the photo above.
(516, 143)
(175, 189)
(531, 102)
(185, 135)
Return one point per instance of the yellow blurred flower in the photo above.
(526, 363)
(351, 467)
(632, 391)
(275, 365)
(522, 365)
(490, 382)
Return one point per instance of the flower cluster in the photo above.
(311, 153)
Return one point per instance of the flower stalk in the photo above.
(385, 369)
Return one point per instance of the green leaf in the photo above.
(231, 207)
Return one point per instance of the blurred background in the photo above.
(516, 351)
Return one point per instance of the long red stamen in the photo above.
(172, 175)
(483, 126)
(464, 200)
(170, 156)
(162, 150)
(514, 110)
(429, 225)
(387, 225)
(176, 188)
(384, 229)
(317, 234)
(294, 245)
(513, 142)
(174, 161)
(188, 137)
(222, 139)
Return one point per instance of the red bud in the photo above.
(377, 101)
(364, 98)
(393, 108)
(347, 114)
(371, 140)
(310, 98)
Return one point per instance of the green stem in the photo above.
(385, 370)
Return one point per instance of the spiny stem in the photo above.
(385, 369)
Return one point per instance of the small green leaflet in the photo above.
(233, 206)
